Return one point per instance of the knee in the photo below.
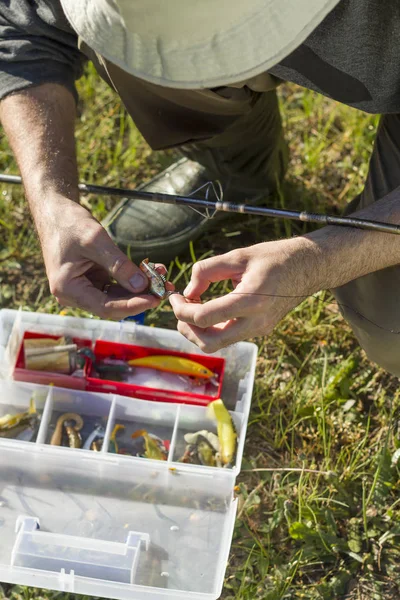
(381, 347)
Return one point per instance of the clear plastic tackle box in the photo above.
(105, 524)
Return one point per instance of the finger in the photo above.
(122, 308)
(160, 268)
(102, 251)
(82, 294)
(210, 313)
(98, 276)
(220, 336)
(217, 268)
(114, 291)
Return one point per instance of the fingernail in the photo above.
(187, 290)
(138, 282)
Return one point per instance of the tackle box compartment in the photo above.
(22, 373)
(113, 525)
(103, 349)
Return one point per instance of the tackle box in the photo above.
(113, 525)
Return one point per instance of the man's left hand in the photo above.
(269, 280)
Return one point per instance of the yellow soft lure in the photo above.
(173, 364)
(152, 445)
(226, 430)
(113, 439)
(10, 421)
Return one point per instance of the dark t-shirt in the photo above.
(353, 56)
(37, 45)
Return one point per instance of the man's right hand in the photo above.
(80, 260)
(79, 255)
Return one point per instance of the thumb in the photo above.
(210, 270)
(106, 254)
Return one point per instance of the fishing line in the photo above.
(339, 304)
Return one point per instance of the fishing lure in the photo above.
(175, 364)
(205, 452)
(74, 437)
(154, 446)
(97, 434)
(112, 372)
(203, 448)
(226, 430)
(212, 438)
(97, 445)
(118, 370)
(200, 451)
(56, 439)
(28, 433)
(113, 447)
(108, 368)
(156, 280)
(13, 425)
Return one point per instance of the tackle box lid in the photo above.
(105, 524)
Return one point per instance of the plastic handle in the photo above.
(78, 556)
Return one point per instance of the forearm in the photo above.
(39, 123)
(335, 255)
(79, 255)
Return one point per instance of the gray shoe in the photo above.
(162, 231)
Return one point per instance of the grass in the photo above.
(319, 509)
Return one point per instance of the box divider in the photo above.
(110, 424)
(174, 434)
(46, 417)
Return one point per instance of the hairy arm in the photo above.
(39, 123)
(79, 255)
(272, 278)
(340, 254)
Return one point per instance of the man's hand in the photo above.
(80, 259)
(79, 255)
(272, 278)
(262, 276)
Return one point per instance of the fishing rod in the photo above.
(229, 207)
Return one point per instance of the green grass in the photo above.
(319, 509)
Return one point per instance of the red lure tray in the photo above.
(105, 349)
(48, 377)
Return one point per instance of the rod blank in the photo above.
(230, 207)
